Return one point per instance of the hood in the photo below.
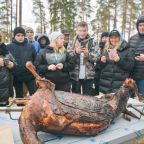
(3, 49)
(46, 38)
(139, 20)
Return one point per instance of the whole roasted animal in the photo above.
(67, 113)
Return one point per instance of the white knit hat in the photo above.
(54, 35)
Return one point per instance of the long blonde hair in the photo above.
(108, 45)
(60, 50)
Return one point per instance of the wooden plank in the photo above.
(6, 136)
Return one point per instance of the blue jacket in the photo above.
(36, 45)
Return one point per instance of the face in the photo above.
(141, 28)
(104, 39)
(19, 37)
(29, 34)
(114, 40)
(43, 41)
(66, 38)
(82, 32)
(60, 41)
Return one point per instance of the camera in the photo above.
(6, 61)
(137, 54)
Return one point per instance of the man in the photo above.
(84, 47)
(30, 38)
(66, 34)
(136, 43)
(22, 51)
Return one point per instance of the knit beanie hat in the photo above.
(19, 30)
(29, 29)
(114, 33)
(54, 35)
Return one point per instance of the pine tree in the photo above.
(39, 12)
(6, 18)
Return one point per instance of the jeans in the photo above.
(140, 85)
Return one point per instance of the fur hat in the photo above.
(19, 30)
(54, 35)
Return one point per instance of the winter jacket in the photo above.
(47, 41)
(114, 73)
(47, 57)
(22, 52)
(6, 79)
(89, 60)
(136, 43)
(36, 45)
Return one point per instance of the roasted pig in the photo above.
(67, 113)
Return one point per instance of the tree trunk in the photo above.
(115, 16)
(124, 17)
(130, 20)
(142, 10)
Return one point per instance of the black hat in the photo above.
(19, 30)
(65, 32)
(105, 34)
(114, 33)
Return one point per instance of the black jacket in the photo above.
(22, 52)
(47, 57)
(6, 79)
(136, 43)
(114, 73)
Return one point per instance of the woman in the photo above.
(54, 63)
(116, 62)
(6, 79)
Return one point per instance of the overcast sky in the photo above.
(27, 18)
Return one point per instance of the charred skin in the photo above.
(71, 114)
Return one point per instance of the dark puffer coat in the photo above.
(22, 52)
(136, 43)
(114, 73)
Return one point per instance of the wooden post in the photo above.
(18, 12)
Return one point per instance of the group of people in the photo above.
(81, 65)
